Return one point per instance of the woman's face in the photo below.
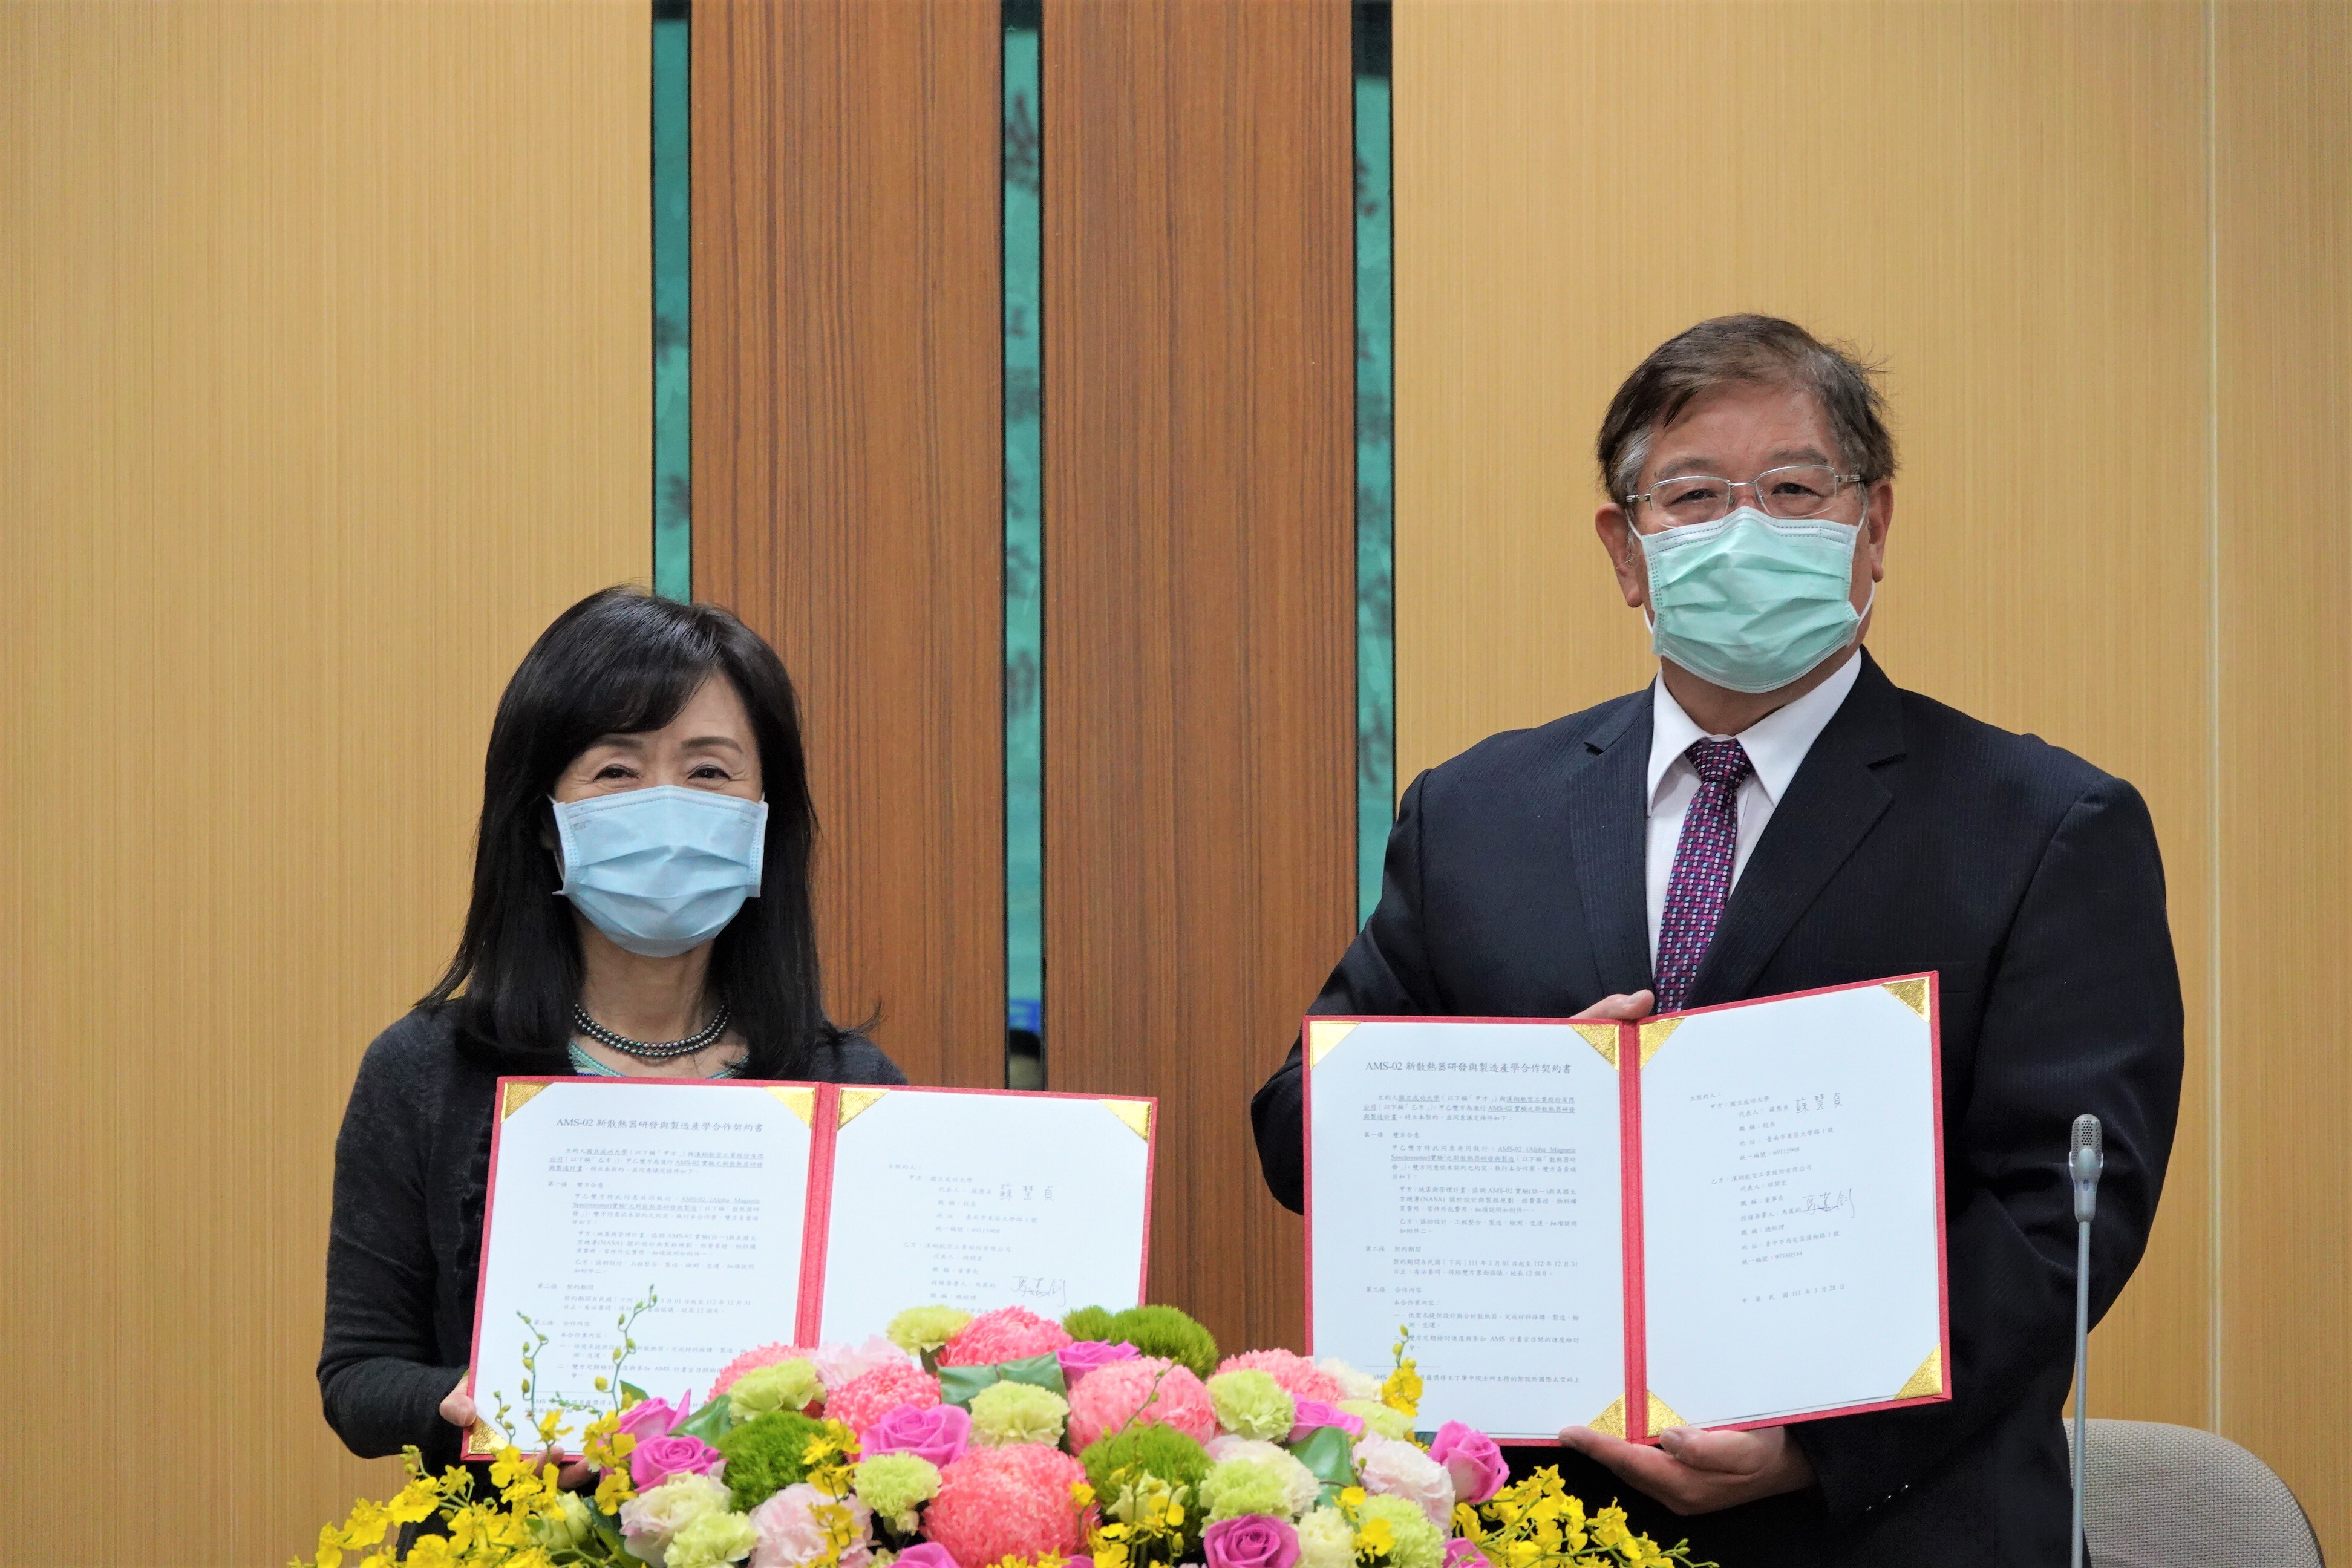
(708, 746)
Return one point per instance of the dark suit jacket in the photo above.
(1913, 838)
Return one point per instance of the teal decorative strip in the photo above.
(1025, 541)
(1375, 460)
(673, 250)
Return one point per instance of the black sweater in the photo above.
(412, 1172)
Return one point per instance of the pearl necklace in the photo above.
(650, 1050)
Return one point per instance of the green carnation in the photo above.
(1165, 1331)
(1005, 1413)
(1418, 1543)
(712, 1541)
(920, 1329)
(764, 1455)
(895, 1485)
(1236, 1487)
(787, 1386)
(1150, 1454)
(1088, 1323)
(1377, 1418)
(1250, 1404)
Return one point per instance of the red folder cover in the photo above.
(826, 1110)
(1628, 1047)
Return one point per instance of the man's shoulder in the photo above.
(1538, 757)
(1947, 738)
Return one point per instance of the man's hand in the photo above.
(1694, 1471)
(457, 1409)
(1622, 1009)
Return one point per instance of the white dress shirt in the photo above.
(1776, 745)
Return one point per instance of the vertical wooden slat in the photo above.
(848, 464)
(2282, 242)
(1199, 619)
(323, 336)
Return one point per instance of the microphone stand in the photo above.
(2083, 1165)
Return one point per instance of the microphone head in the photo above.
(2086, 1133)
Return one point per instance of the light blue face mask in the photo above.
(661, 869)
(1751, 602)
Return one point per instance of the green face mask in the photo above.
(1751, 602)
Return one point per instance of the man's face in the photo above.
(1737, 431)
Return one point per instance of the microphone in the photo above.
(2083, 1165)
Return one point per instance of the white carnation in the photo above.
(1398, 1469)
(649, 1520)
(1353, 1385)
(1326, 1540)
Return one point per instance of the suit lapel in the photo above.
(1606, 830)
(1831, 802)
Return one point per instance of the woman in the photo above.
(640, 908)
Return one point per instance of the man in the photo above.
(1774, 814)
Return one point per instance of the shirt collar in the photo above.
(1776, 744)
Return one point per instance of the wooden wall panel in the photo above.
(323, 346)
(848, 463)
(2283, 223)
(2003, 202)
(1199, 591)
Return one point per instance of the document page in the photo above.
(1462, 1182)
(1791, 1206)
(982, 1200)
(604, 1190)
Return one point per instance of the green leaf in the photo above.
(1038, 1370)
(710, 1422)
(959, 1384)
(631, 1394)
(1330, 1457)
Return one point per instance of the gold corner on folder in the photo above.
(856, 1100)
(1322, 1034)
(518, 1095)
(1136, 1113)
(485, 1437)
(801, 1102)
(1653, 1035)
(1601, 1037)
(1611, 1423)
(1662, 1416)
(1912, 994)
(1930, 1378)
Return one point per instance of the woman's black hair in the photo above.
(620, 662)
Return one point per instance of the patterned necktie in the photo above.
(1702, 874)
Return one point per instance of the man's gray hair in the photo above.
(1759, 350)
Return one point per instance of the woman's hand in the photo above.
(457, 1406)
(457, 1409)
(1693, 1471)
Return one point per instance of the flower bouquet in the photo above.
(1008, 1440)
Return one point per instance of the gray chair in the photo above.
(2173, 1496)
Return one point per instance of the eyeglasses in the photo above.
(1803, 489)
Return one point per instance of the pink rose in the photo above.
(1252, 1540)
(1314, 1413)
(1461, 1553)
(939, 1433)
(927, 1554)
(1474, 1461)
(655, 1417)
(1083, 1356)
(658, 1457)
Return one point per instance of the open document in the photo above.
(1726, 1217)
(767, 1213)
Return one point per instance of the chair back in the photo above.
(2157, 1496)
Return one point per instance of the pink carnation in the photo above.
(1009, 1333)
(1294, 1375)
(1013, 1501)
(752, 1361)
(1109, 1396)
(868, 1397)
(790, 1532)
(839, 1363)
